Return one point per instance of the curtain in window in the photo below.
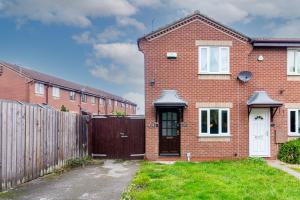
(214, 59)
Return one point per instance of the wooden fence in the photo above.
(34, 140)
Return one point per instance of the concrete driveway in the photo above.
(106, 181)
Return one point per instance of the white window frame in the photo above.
(39, 88)
(55, 92)
(81, 97)
(287, 62)
(93, 100)
(220, 134)
(289, 124)
(109, 102)
(208, 60)
(72, 92)
(101, 101)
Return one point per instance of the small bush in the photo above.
(290, 152)
(63, 108)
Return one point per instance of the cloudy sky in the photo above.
(93, 42)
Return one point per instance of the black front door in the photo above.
(169, 132)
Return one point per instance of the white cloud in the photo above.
(109, 34)
(231, 11)
(291, 29)
(127, 21)
(137, 98)
(127, 63)
(141, 3)
(84, 38)
(69, 12)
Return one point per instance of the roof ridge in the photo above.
(181, 21)
(27, 72)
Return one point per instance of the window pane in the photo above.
(224, 121)
(298, 121)
(164, 132)
(214, 59)
(293, 121)
(203, 121)
(203, 60)
(164, 116)
(164, 124)
(214, 121)
(291, 61)
(224, 59)
(297, 61)
(169, 115)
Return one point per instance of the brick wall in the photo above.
(182, 74)
(13, 85)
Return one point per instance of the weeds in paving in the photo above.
(77, 162)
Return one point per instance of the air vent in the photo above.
(1, 70)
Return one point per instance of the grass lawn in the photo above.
(244, 179)
(296, 169)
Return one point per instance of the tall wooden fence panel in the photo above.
(35, 140)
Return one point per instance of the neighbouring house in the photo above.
(26, 85)
(214, 93)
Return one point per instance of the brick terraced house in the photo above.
(214, 93)
(26, 85)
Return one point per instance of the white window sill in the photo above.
(39, 94)
(214, 73)
(213, 135)
(293, 74)
(294, 134)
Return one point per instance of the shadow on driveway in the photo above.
(105, 181)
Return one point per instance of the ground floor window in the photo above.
(294, 122)
(213, 121)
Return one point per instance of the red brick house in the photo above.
(26, 85)
(214, 93)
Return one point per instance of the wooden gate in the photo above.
(118, 137)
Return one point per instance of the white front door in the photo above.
(259, 132)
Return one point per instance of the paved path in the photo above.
(105, 181)
(279, 165)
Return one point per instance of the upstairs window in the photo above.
(83, 98)
(55, 92)
(213, 60)
(213, 122)
(101, 101)
(93, 101)
(39, 88)
(72, 96)
(109, 102)
(116, 103)
(293, 61)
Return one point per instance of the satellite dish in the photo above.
(244, 76)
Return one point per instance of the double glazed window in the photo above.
(55, 92)
(101, 101)
(39, 88)
(213, 60)
(293, 61)
(72, 96)
(93, 101)
(83, 98)
(213, 121)
(294, 122)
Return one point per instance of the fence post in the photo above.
(1, 147)
(89, 129)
